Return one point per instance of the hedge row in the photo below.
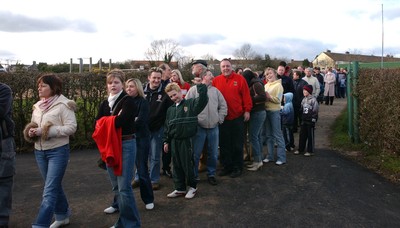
(379, 108)
(87, 89)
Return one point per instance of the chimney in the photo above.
(327, 50)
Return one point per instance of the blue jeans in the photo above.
(121, 186)
(212, 136)
(256, 125)
(155, 154)
(274, 134)
(52, 165)
(142, 173)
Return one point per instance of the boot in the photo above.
(257, 166)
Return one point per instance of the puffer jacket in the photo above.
(57, 123)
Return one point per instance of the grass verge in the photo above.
(383, 163)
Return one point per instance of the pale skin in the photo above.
(226, 70)
(154, 80)
(45, 92)
(131, 89)
(176, 97)
(271, 77)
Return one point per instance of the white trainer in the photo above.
(150, 206)
(266, 160)
(176, 193)
(110, 210)
(191, 193)
(60, 223)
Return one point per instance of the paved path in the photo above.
(326, 190)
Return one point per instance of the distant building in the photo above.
(330, 59)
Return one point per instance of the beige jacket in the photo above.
(57, 123)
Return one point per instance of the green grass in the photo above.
(386, 164)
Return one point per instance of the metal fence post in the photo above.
(355, 105)
(349, 97)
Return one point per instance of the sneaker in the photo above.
(176, 193)
(155, 186)
(224, 172)
(60, 223)
(236, 173)
(296, 152)
(110, 210)
(279, 163)
(307, 154)
(266, 160)
(135, 184)
(191, 193)
(212, 180)
(150, 206)
(167, 173)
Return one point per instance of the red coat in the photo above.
(109, 141)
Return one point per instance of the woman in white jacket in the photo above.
(53, 121)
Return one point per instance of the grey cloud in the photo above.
(193, 39)
(19, 23)
(291, 48)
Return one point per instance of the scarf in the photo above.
(112, 99)
(45, 104)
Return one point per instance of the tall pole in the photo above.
(382, 39)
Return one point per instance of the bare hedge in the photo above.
(87, 89)
(379, 108)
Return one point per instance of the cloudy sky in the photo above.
(53, 31)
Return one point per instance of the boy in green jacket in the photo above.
(180, 127)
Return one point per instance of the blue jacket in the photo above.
(287, 112)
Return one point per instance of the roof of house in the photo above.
(347, 57)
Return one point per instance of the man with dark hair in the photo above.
(7, 154)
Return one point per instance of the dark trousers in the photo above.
(231, 141)
(306, 137)
(329, 100)
(6, 184)
(297, 118)
(166, 160)
(183, 163)
(287, 131)
(142, 157)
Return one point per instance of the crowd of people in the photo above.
(167, 120)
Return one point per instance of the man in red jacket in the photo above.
(236, 92)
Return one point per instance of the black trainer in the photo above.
(212, 180)
(236, 173)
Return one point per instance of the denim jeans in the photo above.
(212, 136)
(274, 135)
(287, 131)
(155, 154)
(121, 186)
(256, 125)
(7, 171)
(52, 165)
(142, 169)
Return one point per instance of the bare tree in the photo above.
(245, 52)
(163, 50)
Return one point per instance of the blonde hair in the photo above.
(138, 84)
(178, 72)
(115, 73)
(172, 86)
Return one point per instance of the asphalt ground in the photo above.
(325, 190)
